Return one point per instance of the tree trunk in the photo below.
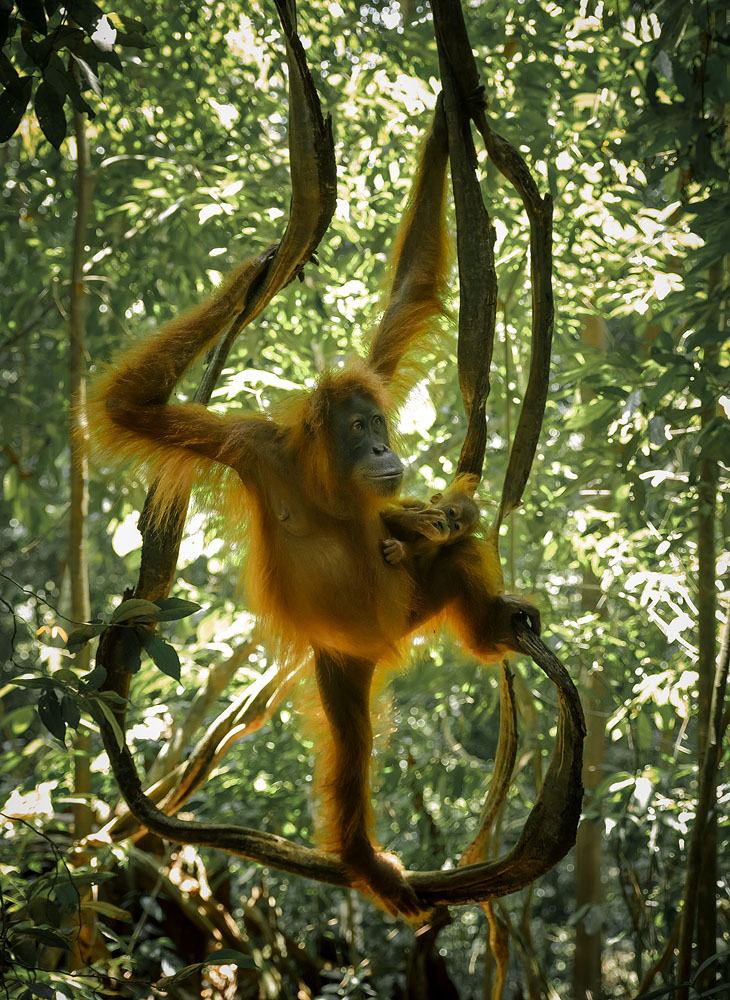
(77, 560)
(699, 915)
(588, 849)
(707, 622)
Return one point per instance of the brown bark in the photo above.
(460, 80)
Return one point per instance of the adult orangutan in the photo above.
(314, 478)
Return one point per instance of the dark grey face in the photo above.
(361, 446)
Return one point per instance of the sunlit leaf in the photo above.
(135, 609)
(174, 608)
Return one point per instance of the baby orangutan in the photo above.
(420, 530)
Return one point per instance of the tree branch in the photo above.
(475, 250)
(456, 53)
(313, 177)
(548, 834)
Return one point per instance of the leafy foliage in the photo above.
(52, 55)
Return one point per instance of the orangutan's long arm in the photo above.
(129, 410)
(419, 258)
(129, 413)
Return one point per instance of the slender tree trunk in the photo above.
(706, 805)
(699, 915)
(587, 975)
(707, 622)
(77, 556)
(587, 978)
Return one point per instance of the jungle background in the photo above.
(151, 157)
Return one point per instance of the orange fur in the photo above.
(420, 269)
(311, 506)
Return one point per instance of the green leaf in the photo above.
(10, 483)
(70, 711)
(48, 938)
(49, 111)
(43, 990)
(80, 881)
(16, 721)
(68, 896)
(8, 73)
(714, 440)
(49, 710)
(111, 720)
(13, 102)
(32, 11)
(37, 683)
(130, 647)
(229, 956)
(132, 24)
(134, 40)
(163, 655)
(664, 384)
(94, 679)
(89, 75)
(38, 49)
(135, 609)
(6, 23)
(703, 337)
(173, 608)
(67, 38)
(663, 65)
(107, 909)
(65, 84)
(78, 637)
(110, 56)
(597, 411)
(86, 13)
